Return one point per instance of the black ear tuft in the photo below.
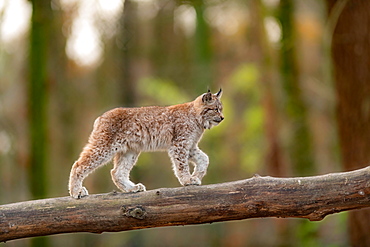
(207, 97)
(219, 94)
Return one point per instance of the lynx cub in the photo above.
(123, 133)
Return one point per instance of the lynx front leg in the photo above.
(179, 157)
(123, 163)
(201, 161)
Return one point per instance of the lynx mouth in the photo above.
(211, 123)
(218, 120)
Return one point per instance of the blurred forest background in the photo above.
(65, 62)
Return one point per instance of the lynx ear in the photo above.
(207, 97)
(219, 94)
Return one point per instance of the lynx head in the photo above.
(210, 109)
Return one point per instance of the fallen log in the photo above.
(301, 197)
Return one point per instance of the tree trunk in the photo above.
(127, 96)
(263, 54)
(38, 96)
(300, 150)
(310, 197)
(202, 50)
(37, 100)
(351, 58)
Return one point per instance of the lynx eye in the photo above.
(218, 109)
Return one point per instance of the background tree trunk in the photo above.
(38, 94)
(128, 32)
(299, 146)
(351, 57)
(202, 50)
(266, 64)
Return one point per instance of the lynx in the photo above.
(123, 133)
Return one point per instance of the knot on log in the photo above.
(137, 212)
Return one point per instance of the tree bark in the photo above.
(302, 197)
(351, 59)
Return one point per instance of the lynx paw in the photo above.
(137, 188)
(192, 181)
(79, 193)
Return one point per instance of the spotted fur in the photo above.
(123, 133)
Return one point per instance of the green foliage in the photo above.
(161, 91)
(248, 95)
(239, 140)
(306, 233)
(253, 139)
(244, 79)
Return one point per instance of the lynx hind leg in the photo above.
(76, 177)
(123, 164)
(201, 162)
(90, 159)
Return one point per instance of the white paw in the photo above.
(192, 181)
(140, 187)
(79, 192)
(137, 188)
